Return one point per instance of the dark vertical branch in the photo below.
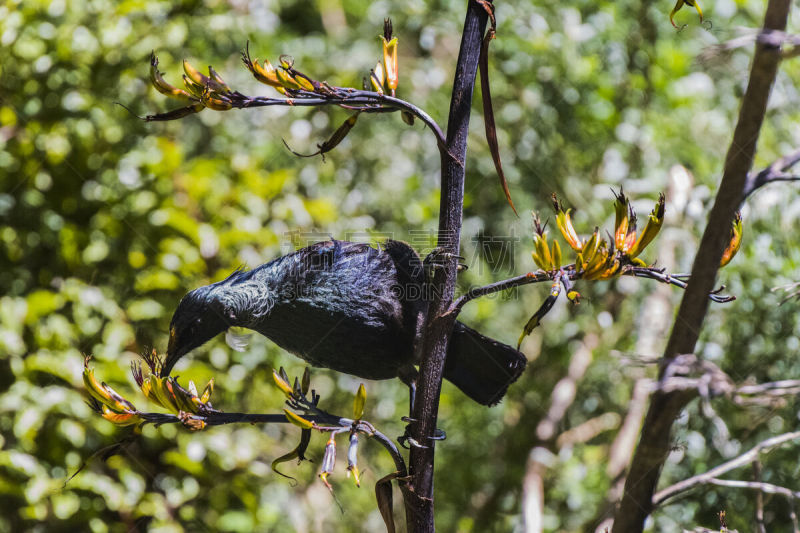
(654, 443)
(434, 334)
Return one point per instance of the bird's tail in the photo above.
(481, 367)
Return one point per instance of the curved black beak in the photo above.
(172, 353)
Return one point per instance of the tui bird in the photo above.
(345, 306)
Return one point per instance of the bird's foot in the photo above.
(407, 441)
(438, 258)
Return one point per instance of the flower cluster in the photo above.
(195, 412)
(166, 392)
(296, 398)
(201, 91)
(107, 401)
(297, 88)
(163, 391)
(211, 91)
(384, 76)
(598, 258)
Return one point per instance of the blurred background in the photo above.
(106, 221)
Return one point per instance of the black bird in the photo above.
(345, 306)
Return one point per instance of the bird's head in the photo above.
(199, 317)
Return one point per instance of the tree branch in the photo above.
(761, 488)
(653, 448)
(767, 37)
(350, 97)
(218, 418)
(766, 393)
(433, 337)
(218, 96)
(744, 459)
(499, 286)
(775, 172)
(540, 276)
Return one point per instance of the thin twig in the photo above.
(792, 290)
(679, 280)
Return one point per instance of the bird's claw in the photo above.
(407, 441)
(438, 259)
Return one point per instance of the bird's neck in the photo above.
(244, 299)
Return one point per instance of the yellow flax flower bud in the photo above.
(298, 420)
(564, 223)
(282, 384)
(161, 85)
(651, 229)
(377, 78)
(621, 211)
(390, 56)
(359, 402)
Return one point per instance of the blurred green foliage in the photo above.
(105, 222)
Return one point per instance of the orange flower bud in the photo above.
(735, 241)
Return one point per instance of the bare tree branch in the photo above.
(588, 430)
(543, 454)
(539, 461)
(746, 458)
(792, 290)
(654, 444)
(565, 390)
(767, 37)
(766, 393)
(775, 172)
(499, 286)
(687, 373)
(761, 488)
(350, 98)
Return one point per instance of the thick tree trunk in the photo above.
(654, 444)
